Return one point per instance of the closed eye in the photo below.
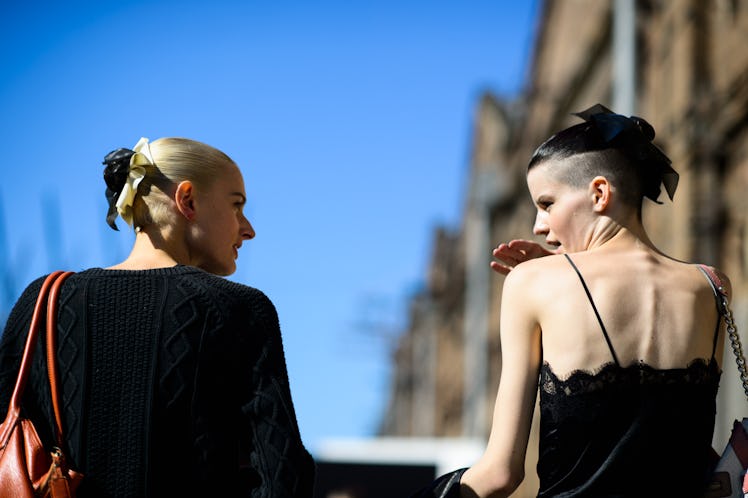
(240, 201)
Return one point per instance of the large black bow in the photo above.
(115, 175)
(635, 135)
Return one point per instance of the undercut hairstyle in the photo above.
(613, 146)
(592, 157)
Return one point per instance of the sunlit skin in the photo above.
(559, 218)
(510, 254)
(555, 203)
(563, 215)
(216, 225)
(545, 316)
(208, 230)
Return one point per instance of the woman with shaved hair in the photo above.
(622, 342)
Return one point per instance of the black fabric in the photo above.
(445, 486)
(633, 431)
(174, 383)
(628, 432)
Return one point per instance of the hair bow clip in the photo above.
(124, 171)
(610, 125)
(115, 176)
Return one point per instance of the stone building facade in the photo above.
(690, 81)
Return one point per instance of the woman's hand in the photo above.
(515, 252)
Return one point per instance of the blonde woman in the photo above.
(174, 381)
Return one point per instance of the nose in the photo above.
(248, 231)
(541, 224)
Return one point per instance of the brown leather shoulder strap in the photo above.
(54, 294)
(28, 351)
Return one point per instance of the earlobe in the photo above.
(600, 190)
(184, 197)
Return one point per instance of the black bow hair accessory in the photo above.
(633, 136)
(115, 175)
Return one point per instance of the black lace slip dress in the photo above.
(627, 431)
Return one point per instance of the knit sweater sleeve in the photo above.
(276, 451)
(272, 457)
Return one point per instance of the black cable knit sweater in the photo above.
(174, 383)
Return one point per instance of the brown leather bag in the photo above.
(27, 469)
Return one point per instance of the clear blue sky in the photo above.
(351, 122)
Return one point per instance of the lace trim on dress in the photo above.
(698, 372)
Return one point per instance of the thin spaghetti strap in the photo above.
(594, 308)
(716, 286)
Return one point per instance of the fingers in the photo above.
(521, 244)
(509, 255)
(515, 252)
(527, 247)
(499, 268)
(530, 248)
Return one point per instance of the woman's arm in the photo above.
(275, 451)
(501, 468)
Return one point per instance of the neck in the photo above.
(151, 250)
(614, 234)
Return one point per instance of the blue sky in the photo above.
(351, 122)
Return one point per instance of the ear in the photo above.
(184, 197)
(600, 191)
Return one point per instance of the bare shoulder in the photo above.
(536, 274)
(553, 262)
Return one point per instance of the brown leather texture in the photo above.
(27, 469)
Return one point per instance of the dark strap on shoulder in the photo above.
(718, 293)
(594, 308)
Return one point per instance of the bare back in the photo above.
(656, 310)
